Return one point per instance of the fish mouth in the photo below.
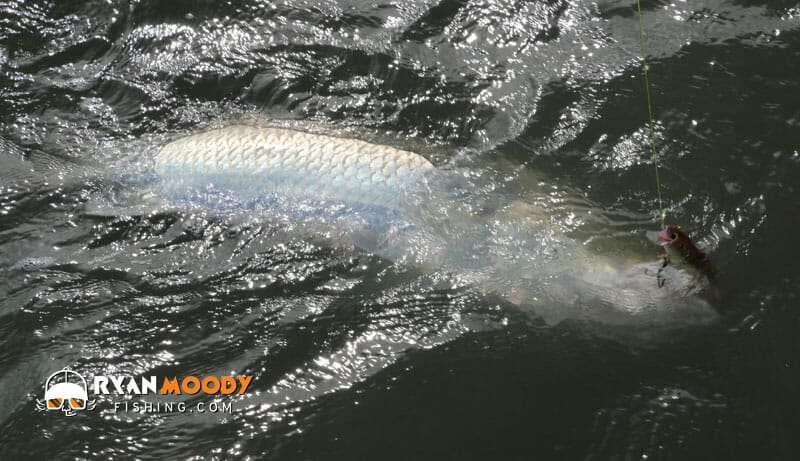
(663, 237)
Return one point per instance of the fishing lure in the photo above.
(680, 247)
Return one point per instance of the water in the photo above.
(355, 355)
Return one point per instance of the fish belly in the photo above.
(255, 162)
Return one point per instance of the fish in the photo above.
(680, 248)
(274, 161)
(512, 246)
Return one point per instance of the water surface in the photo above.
(356, 356)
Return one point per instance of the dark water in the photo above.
(355, 357)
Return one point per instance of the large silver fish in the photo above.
(514, 249)
(256, 162)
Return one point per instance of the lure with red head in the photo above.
(680, 246)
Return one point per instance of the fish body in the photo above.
(519, 249)
(281, 162)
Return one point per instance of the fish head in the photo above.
(646, 293)
(612, 291)
(638, 305)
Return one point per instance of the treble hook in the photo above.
(664, 257)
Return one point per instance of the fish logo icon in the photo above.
(65, 390)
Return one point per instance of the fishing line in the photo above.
(662, 211)
(696, 257)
